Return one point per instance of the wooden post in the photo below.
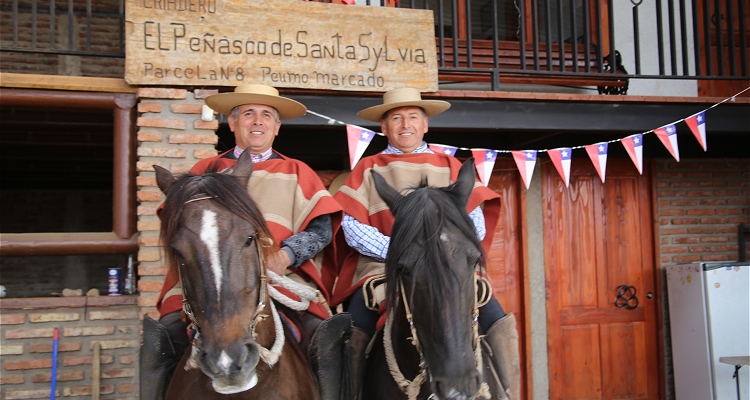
(96, 371)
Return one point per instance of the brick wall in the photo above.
(26, 328)
(700, 205)
(171, 135)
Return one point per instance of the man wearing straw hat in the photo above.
(367, 224)
(300, 213)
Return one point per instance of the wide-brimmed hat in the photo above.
(251, 93)
(403, 97)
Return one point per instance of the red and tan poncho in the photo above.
(360, 199)
(290, 195)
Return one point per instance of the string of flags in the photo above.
(359, 139)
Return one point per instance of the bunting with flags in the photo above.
(598, 154)
(561, 160)
(359, 139)
(444, 149)
(668, 136)
(634, 146)
(697, 124)
(485, 161)
(525, 160)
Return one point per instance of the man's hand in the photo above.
(278, 262)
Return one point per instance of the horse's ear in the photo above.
(465, 182)
(244, 168)
(164, 178)
(386, 192)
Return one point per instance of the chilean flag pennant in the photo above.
(598, 154)
(697, 124)
(525, 160)
(358, 139)
(668, 136)
(561, 159)
(485, 162)
(443, 149)
(634, 146)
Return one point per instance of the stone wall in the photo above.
(26, 331)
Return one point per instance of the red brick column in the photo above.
(171, 135)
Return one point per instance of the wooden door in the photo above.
(596, 238)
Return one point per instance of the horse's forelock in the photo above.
(225, 191)
(428, 210)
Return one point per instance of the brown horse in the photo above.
(214, 233)
(431, 348)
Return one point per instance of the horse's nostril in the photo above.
(439, 388)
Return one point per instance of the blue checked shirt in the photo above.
(368, 240)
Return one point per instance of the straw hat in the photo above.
(403, 97)
(251, 93)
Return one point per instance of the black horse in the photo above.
(431, 346)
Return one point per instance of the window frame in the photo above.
(123, 237)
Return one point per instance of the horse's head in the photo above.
(433, 255)
(215, 234)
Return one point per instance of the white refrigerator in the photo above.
(709, 315)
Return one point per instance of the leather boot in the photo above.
(357, 348)
(158, 360)
(502, 338)
(327, 357)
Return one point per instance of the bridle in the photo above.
(411, 388)
(269, 356)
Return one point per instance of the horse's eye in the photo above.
(475, 259)
(404, 269)
(249, 241)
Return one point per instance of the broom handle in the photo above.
(54, 364)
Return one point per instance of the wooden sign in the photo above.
(282, 43)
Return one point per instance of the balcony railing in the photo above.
(70, 27)
(587, 42)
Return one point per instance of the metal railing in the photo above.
(580, 40)
(70, 27)
(592, 39)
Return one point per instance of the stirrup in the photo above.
(328, 358)
(158, 360)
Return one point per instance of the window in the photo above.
(68, 188)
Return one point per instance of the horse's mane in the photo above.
(429, 209)
(225, 191)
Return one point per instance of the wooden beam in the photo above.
(67, 243)
(60, 82)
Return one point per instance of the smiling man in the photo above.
(300, 213)
(367, 223)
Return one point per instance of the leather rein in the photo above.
(270, 357)
(411, 388)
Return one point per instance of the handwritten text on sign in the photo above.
(283, 43)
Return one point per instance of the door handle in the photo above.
(626, 297)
